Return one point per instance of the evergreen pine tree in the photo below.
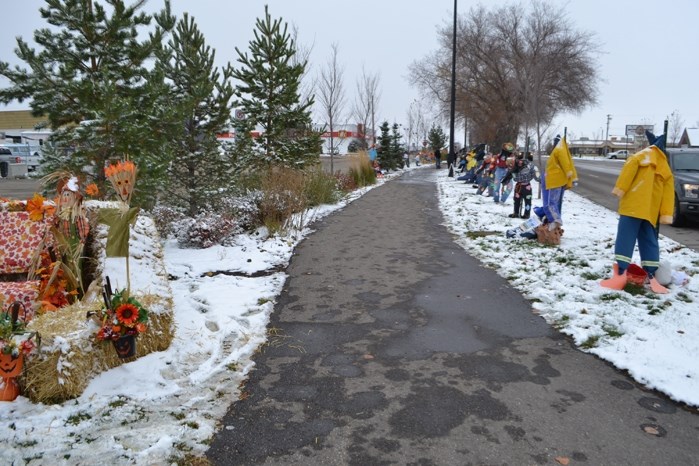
(201, 96)
(269, 96)
(384, 153)
(436, 137)
(396, 146)
(89, 79)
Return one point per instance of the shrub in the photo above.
(244, 208)
(345, 182)
(205, 230)
(320, 187)
(165, 217)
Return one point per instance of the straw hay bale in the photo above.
(70, 356)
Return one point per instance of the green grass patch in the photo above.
(612, 331)
(473, 234)
(684, 297)
(591, 342)
(562, 322)
(609, 297)
(76, 419)
(563, 259)
(636, 290)
(594, 276)
(117, 403)
(320, 187)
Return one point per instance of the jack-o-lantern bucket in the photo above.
(9, 390)
(11, 366)
(125, 346)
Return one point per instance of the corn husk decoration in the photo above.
(69, 233)
(122, 175)
(123, 179)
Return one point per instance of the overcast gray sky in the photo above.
(649, 65)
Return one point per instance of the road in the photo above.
(597, 178)
(18, 188)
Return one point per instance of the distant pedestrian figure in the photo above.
(438, 157)
(406, 159)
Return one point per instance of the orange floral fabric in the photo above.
(25, 292)
(19, 239)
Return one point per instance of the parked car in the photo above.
(24, 153)
(6, 158)
(685, 169)
(618, 154)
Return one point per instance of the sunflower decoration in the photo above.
(122, 315)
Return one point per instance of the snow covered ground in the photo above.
(170, 402)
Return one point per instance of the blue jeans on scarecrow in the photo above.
(500, 173)
(629, 230)
(552, 202)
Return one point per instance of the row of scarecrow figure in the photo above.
(645, 188)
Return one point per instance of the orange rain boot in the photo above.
(617, 282)
(657, 287)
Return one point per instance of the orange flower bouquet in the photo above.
(122, 319)
(122, 316)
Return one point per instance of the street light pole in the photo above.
(606, 139)
(451, 159)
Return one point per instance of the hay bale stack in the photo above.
(70, 355)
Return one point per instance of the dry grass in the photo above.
(283, 196)
(361, 170)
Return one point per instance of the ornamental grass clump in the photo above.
(361, 169)
(282, 197)
(320, 187)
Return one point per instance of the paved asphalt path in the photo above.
(391, 345)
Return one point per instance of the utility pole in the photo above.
(606, 139)
(451, 158)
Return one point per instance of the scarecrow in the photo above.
(559, 175)
(646, 199)
(123, 179)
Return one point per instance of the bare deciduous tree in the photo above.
(331, 96)
(303, 55)
(366, 102)
(516, 69)
(675, 128)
